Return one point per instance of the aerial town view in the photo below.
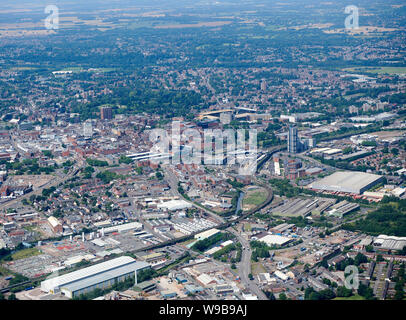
(202, 150)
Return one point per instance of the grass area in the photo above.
(185, 243)
(24, 68)
(25, 253)
(81, 69)
(354, 297)
(351, 96)
(255, 198)
(378, 70)
(256, 268)
(4, 271)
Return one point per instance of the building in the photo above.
(274, 239)
(174, 205)
(106, 113)
(347, 182)
(99, 276)
(386, 243)
(206, 234)
(88, 129)
(281, 275)
(293, 140)
(134, 226)
(342, 208)
(55, 224)
(263, 85)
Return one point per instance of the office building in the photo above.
(293, 146)
(88, 129)
(106, 113)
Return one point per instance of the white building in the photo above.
(99, 276)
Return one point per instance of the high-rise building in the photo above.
(263, 85)
(293, 140)
(88, 129)
(106, 113)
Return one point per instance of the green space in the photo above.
(389, 219)
(255, 198)
(226, 253)
(257, 267)
(378, 70)
(354, 297)
(203, 245)
(4, 271)
(25, 253)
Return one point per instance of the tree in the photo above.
(394, 151)
(12, 297)
(365, 291)
(369, 248)
(283, 296)
(269, 295)
(124, 159)
(344, 292)
(360, 258)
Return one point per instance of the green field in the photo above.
(25, 253)
(354, 297)
(255, 198)
(256, 268)
(378, 70)
(4, 272)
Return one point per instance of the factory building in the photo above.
(347, 182)
(206, 234)
(99, 276)
(174, 205)
(388, 243)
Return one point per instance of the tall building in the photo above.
(263, 85)
(293, 140)
(88, 129)
(106, 113)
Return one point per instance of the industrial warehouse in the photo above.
(99, 276)
(347, 182)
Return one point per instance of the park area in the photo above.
(254, 196)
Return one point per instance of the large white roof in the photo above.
(56, 282)
(272, 239)
(346, 181)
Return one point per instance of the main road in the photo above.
(244, 266)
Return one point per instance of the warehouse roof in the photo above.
(390, 242)
(104, 276)
(206, 234)
(346, 181)
(91, 271)
(175, 205)
(124, 227)
(272, 239)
